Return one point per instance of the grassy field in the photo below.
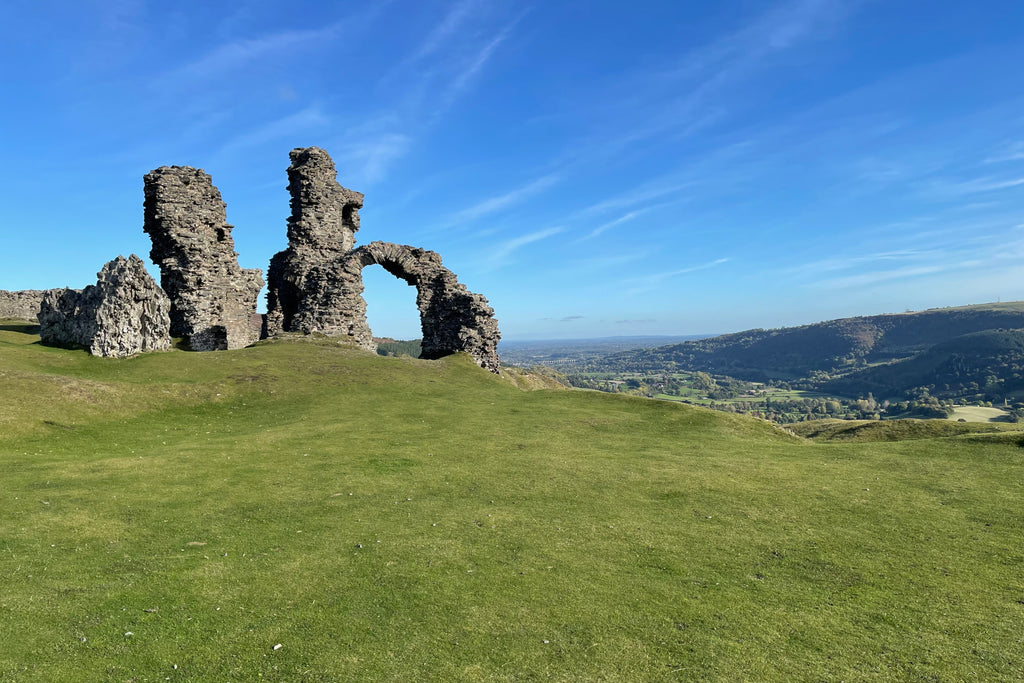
(978, 414)
(301, 510)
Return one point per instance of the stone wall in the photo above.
(22, 305)
(123, 314)
(212, 298)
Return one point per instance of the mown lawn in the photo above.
(179, 515)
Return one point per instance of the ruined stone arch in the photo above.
(452, 318)
(316, 284)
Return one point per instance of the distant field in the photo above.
(305, 511)
(978, 414)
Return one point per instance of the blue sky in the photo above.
(593, 168)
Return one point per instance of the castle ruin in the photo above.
(314, 286)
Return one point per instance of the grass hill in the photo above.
(826, 347)
(986, 364)
(303, 510)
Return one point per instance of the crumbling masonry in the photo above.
(213, 300)
(22, 305)
(123, 314)
(316, 284)
(307, 290)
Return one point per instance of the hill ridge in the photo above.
(838, 345)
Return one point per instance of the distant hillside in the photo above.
(567, 354)
(386, 346)
(987, 364)
(830, 347)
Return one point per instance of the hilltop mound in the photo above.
(887, 430)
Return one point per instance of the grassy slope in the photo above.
(214, 505)
(903, 430)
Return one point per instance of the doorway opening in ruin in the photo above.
(391, 312)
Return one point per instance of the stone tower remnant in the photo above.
(316, 284)
(123, 314)
(306, 290)
(213, 300)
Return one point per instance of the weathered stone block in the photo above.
(123, 314)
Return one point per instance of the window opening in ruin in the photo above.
(391, 311)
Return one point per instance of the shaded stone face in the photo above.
(123, 314)
(212, 298)
(316, 284)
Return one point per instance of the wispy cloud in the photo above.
(681, 271)
(1013, 151)
(499, 202)
(977, 185)
(640, 195)
(446, 29)
(505, 249)
(241, 53)
(646, 283)
(855, 262)
(461, 73)
(428, 83)
(959, 248)
(472, 67)
(798, 20)
(365, 153)
(376, 155)
(879, 276)
(706, 73)
(565, 319)
(611, 224)
(780, 28)
(300, 123)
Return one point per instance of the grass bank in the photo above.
(180, 515)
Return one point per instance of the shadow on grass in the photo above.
(24, 328)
